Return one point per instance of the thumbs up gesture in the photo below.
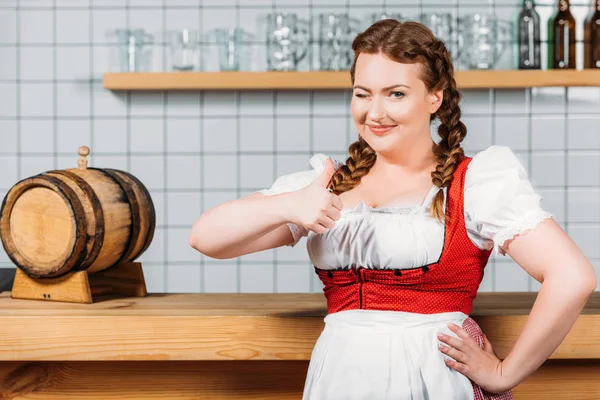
(317, 208)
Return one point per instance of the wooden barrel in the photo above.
(76, 219)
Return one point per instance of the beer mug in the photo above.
(482, 39)
(287, 41)
(337, 31)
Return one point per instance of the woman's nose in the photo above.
(376, 110)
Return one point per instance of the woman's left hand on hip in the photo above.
(480, 365)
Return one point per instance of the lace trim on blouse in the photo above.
(518, 228)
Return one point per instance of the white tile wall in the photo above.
(194, 150)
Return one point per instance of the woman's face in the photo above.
(391, 106)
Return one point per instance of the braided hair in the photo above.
(410, 43)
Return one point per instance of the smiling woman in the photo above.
(400, 234)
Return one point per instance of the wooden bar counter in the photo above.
(230, 346)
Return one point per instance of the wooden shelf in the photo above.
(322, 80)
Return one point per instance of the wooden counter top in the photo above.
(206, 327)
(167, 346)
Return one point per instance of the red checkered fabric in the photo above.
(448, 285)
(476, 333)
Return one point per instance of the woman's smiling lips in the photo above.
(380, 129)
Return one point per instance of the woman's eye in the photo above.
(397, 95)
(360, 95)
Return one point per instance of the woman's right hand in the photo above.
(316, 208)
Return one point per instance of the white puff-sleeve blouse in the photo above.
(499, 203)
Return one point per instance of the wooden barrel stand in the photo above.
(123, 280)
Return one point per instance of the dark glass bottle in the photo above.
(592, 38)
(561, 38)
(528, 37)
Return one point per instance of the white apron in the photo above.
(384, 355)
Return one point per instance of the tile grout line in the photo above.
(492, 110)
(275, 263)
(548, 115)
(201, 163)
(91, 83)
(275, 175)
(54, 87)
(529, 107)
(18, 95)
(566, 161)
(284, 152)
(165, 157)
(311, 136)
(242, 6)
(238, 99)
(128, 100)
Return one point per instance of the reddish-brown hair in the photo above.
(410, 43)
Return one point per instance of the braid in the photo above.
(451, 130)
(361, 160)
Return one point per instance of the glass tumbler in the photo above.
(184, 49)
(132, 54)
(229, 41)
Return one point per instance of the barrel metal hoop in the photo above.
(98, 215)
(134, 232)
(152, 211)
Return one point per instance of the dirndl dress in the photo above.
(394, 277)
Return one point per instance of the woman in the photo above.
(401, 232)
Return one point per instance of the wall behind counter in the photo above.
(196, 150)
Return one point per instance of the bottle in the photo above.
(592, 38)
(528, 37)
(561, 38)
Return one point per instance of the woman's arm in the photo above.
(259, 222)
(238, 227)
(549, 255)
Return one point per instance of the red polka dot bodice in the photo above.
(448, 285)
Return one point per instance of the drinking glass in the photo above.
(230, 42)
(132, 54)
(184, 49)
